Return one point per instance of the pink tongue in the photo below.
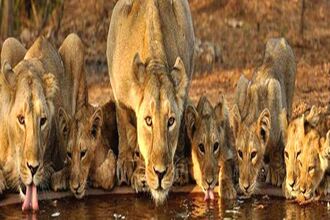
(209, 195)
(31, 198)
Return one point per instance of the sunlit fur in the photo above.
(208, 128)
(92, 143)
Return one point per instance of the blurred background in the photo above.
(230, 40)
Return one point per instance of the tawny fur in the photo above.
(211, 144)
(257, 110)
(150, 58)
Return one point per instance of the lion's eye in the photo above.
(300, 163)
(201, 148)
(83, 153)
(43, 121)
(311, 169)
(286, 154)
(298, 153)
(170, 122)
(215, 147)
(240, 154)
(21, 119)
(253, 154)
(69, 155)
(148, 121)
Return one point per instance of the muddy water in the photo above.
(179, 206)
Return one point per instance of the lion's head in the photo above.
(207, 129)
(161, 100)
(30, 117)
(251, 142)
(83, 135)
(313, 162)
(293, 134)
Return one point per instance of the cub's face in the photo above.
(83, 134)
(293, 148)
(251, 141)
(312, 164)
(158, 118)
(206, 128)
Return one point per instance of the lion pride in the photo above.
(150, 50)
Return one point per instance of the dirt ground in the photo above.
(238, 28)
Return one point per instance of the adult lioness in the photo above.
(150, 58)
(259, 103)
(211, 140)
(92, 140)
(28, 143)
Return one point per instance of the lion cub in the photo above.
(92, 139)
(256, 115)
(293, 135)
(210, 138)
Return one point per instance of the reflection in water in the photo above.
(178, 206)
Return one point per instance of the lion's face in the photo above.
(206, 129)
(293, 148)
(31, 117)
(158, 121)
(313, 163)
(251, 141)
(83, 134)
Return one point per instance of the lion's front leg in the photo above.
(104, 175)
(139, 180)
(125, 163)
(60, 179)
(276, 172)
(181, 176)
(226, 185)
(3, 185)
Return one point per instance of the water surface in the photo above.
(178, 206)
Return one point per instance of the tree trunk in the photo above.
(7, 19)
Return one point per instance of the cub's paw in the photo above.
(275, 176)
(181, 176)
(227, 190)
(125, 167)
(59, 181)
(139, 181)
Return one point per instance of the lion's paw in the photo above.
(59, 181)
(125, 167)
(181, 176)
(139, 181)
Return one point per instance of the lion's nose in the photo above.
(246, 187)
(76, 187)
(209, 181)
(160, 173)
(33, 168)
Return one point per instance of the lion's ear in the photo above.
(190, 120)
(180, 79)
(204, 107)
(96, 122)
(220, 109)
(139, 69)
(263, 126)
(64, 121)
(311, 119)
(235, 120)
(8, 73)
(50, 85)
